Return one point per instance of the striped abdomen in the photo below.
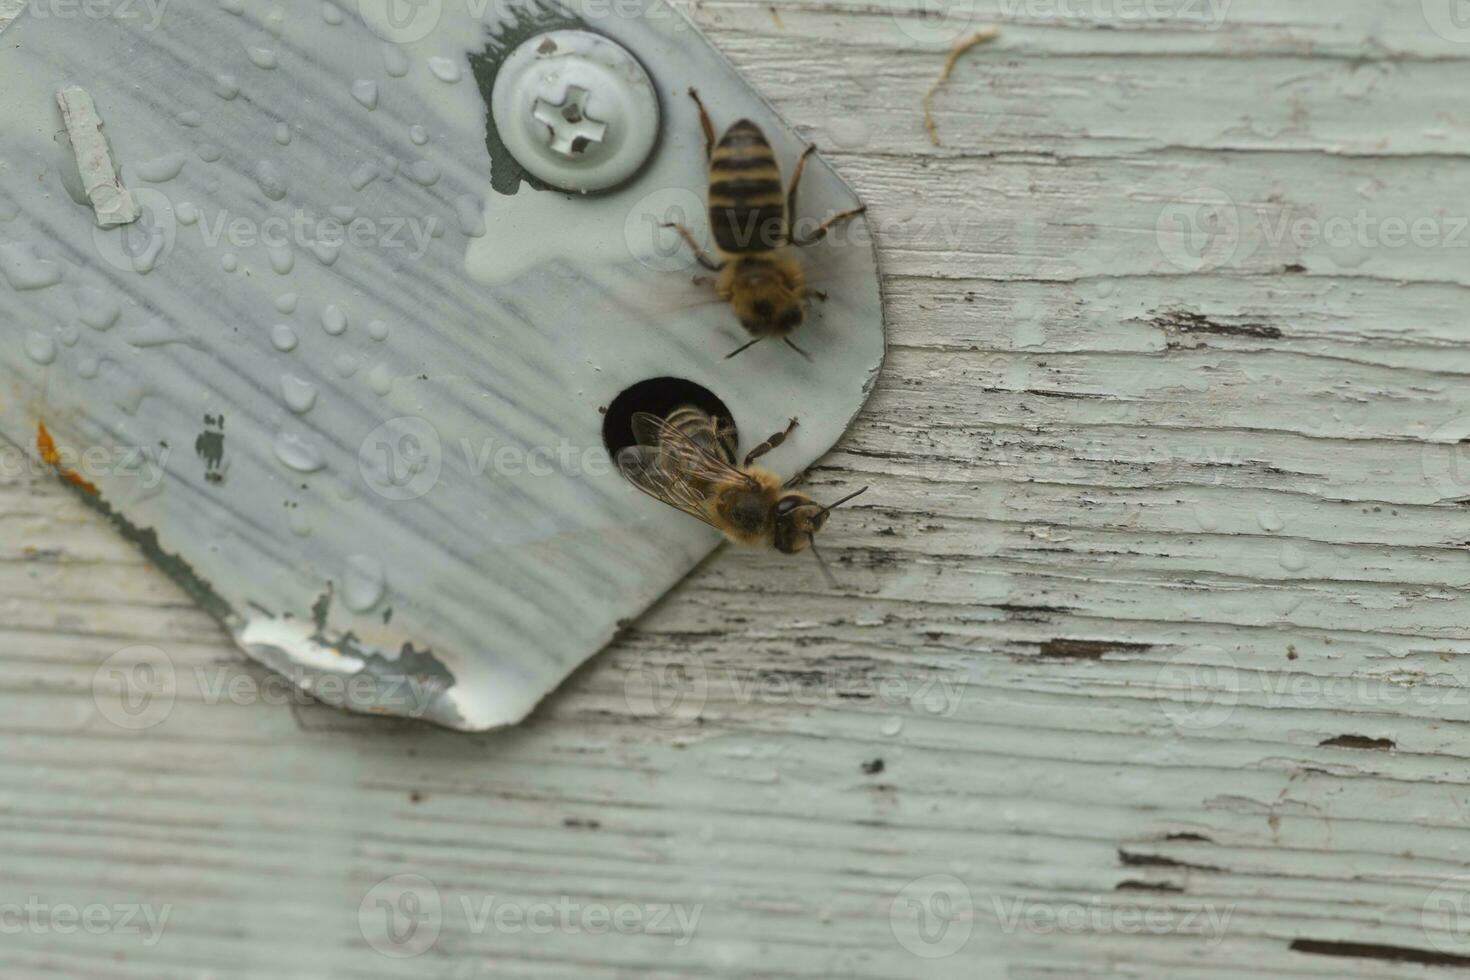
(704, 430)
(747, 212)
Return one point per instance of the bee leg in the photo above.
(704, 121)
(797, 349)
(704, 280)
(769, 444)
(743, 348)
(827, 226)
(699, 253)
(791, 193)
(815, 294)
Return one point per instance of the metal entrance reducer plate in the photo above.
(346, 373)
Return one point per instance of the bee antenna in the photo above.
(742, 349)
(797, 349)
(844, 500)
(831, 579)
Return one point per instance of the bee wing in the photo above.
(683, 455)
(646, 429)
(648, 469)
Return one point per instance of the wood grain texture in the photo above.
(1155, 615)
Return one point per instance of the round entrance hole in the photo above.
(657, 396)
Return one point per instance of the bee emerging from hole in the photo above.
(751, 224)
(688, 462)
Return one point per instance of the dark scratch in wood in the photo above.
(1087, 649)
(1359, 742)
(1375, 951)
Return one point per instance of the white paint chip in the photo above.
(110, 199)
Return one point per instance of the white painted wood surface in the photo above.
(1156, 612)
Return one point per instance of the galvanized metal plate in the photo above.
(344, 379)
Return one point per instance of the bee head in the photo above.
(798, 518)
(764, 300)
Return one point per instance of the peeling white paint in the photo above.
(295, 638)
(110, 199)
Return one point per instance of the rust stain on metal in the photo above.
(46, 446)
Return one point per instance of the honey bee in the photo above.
(688, 462)
(751, 223)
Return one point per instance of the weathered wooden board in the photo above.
(1156, 640)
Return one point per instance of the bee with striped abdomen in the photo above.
(751, 222)
(688, 461)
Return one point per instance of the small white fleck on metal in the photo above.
(576, 110)
(110, 199)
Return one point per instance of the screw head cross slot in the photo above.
(571, 131)
(540, 107)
